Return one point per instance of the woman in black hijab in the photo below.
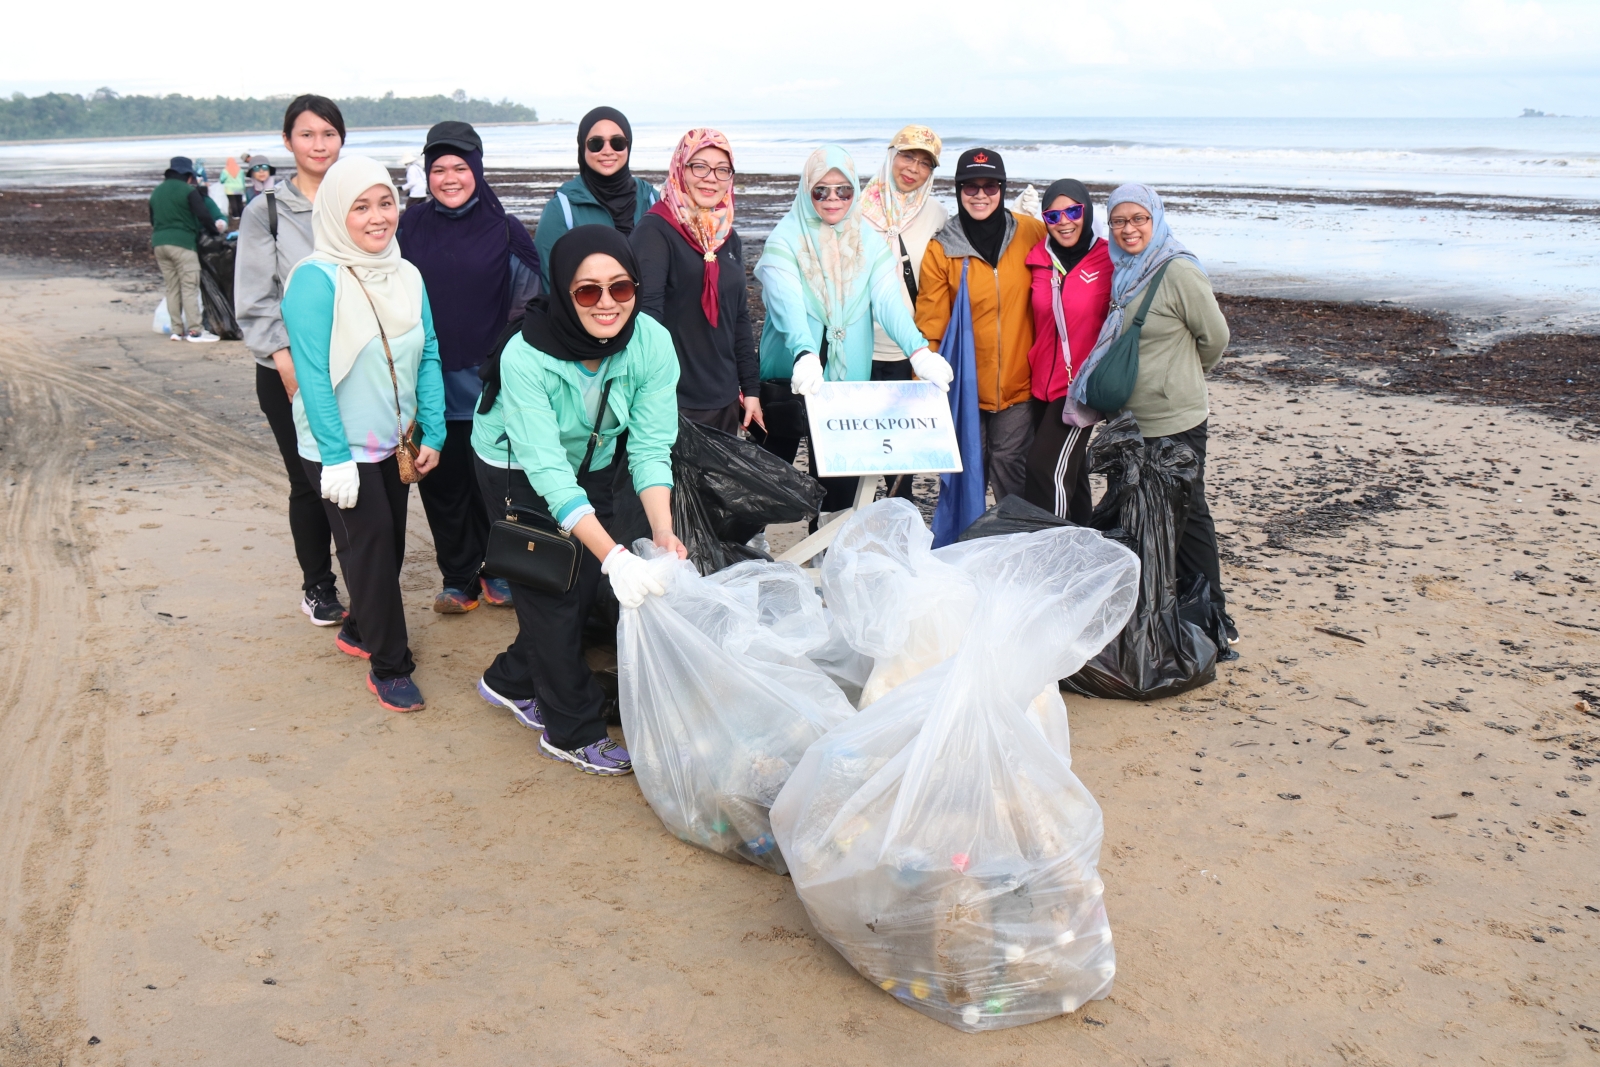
(585, 367)
(605, 192)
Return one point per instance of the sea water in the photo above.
(1498, 219)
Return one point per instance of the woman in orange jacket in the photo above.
(993, 244)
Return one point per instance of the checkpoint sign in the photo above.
(881, 428)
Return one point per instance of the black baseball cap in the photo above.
(980, 163)
(453, 134)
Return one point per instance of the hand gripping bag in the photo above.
(718, 700)
(938, 839)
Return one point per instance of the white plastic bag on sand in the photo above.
(893, 600)
(939, 839)
(718, 699)
(848, 668)
(162, 321)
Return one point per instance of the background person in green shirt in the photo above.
(179, 211)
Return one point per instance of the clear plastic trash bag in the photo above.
(939, 839)
(718, 699)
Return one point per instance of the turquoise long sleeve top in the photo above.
(356, 420)
(540, 424)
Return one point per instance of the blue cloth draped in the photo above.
(961, 495)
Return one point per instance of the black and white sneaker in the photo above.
(321, 605)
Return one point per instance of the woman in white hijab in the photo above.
(367, 361)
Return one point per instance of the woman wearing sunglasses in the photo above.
(692, 281)
(826, 285)
(585, 363)
(480, 267)
(361, 335)
(1071, 296)
(993, 245)
(605, 192)
(1184, 336)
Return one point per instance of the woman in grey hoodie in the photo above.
(274, 235)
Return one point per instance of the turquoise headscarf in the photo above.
(833, 262)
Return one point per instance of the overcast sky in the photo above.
(811, 59)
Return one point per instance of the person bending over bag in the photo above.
(585, 369)
(365, 356)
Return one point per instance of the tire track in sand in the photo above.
(54, 771)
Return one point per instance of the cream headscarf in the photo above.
(883, 205)
(394, 284)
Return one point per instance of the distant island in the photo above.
(1530, 113)
(107, 113)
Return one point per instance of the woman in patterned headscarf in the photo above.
(691, 280)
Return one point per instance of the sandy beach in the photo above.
(1369, 842)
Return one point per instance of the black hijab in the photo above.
(986, 235)
(551, 323)
(1069, 256)
(617, 193)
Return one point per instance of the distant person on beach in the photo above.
(1183, 337)
(692, 281)
(232, 181)
(992, 245)
(585, 369)
(826, 286)
(899, 204)
(259, 177)
(605, 192)
(415, 185)
(1071, 298)
(480, 267)
(275, 233)
(179, 212)
(367, 362)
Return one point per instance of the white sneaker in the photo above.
(177, 335)
(204, 337)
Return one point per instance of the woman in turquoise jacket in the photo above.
(605, 192)
(586, 366)
(365, 355)
(824, 285)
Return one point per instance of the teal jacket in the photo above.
(573, 205)
(539, 417)
(357, 420)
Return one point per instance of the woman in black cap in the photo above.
(605, 192)
(992, 245)
(480, 267)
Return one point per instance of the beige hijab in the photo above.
(394, 285)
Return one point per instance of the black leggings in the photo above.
(1057, 476)
(455, 510)
(546, 658)
(308, 522)
(371, 539)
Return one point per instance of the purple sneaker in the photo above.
(603, 757)
(524, 711)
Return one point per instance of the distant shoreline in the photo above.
(258, 133)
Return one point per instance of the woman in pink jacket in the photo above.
(1071, 296)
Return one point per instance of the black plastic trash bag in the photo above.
(1012, 515)
(216, 289)
(1165, 648)
(725, 491)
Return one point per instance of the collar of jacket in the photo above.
(290, 198)
(578, 193)
(954, 239)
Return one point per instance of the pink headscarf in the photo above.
(706, 229)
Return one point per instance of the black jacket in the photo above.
(714, 364)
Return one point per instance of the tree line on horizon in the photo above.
(107, 113)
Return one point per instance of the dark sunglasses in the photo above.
(820, 193)
(619, 143)
(980, 188)
(1073, 213)
(587, 296)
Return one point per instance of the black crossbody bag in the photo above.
(545, 559)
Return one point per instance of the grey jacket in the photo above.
(262, 264)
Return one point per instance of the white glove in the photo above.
(631, 578)
(222, 225)
(930, 366)
(807, 375)
(341, 483)
(1027, 203)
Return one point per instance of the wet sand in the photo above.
(1369, 842)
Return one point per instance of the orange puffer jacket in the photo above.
(1002, 315)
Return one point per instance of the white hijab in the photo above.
(394, 284)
